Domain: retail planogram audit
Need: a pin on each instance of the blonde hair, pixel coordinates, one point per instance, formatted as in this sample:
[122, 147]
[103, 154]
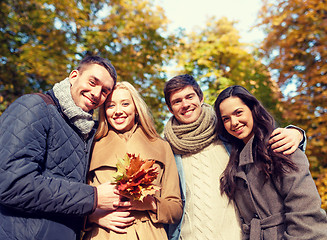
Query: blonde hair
[144, 117]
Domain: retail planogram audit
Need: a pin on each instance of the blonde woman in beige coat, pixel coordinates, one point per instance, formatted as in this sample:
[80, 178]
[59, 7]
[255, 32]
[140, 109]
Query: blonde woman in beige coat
[126, 126]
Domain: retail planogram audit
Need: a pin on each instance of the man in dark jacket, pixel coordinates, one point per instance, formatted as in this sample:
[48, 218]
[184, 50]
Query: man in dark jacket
[45, 142]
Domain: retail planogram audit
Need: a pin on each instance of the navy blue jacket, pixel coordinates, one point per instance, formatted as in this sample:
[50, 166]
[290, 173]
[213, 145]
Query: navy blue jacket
[43, 166]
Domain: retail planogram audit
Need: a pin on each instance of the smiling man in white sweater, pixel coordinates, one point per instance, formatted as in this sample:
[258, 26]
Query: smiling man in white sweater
[201, 157]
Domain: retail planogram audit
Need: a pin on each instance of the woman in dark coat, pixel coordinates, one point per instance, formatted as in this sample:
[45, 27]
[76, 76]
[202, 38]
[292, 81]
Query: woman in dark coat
[275, 194]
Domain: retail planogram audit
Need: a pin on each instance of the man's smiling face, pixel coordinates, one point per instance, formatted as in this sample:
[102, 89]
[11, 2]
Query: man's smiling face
[90, 86]
[186, 105]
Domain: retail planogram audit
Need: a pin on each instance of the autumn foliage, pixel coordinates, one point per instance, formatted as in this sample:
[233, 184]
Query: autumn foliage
[135, 176]
[217, 59]
[42, 41]
[296, 49]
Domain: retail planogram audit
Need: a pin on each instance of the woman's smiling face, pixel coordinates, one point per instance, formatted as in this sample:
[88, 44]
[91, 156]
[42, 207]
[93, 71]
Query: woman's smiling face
[237, 118]
[120, 110]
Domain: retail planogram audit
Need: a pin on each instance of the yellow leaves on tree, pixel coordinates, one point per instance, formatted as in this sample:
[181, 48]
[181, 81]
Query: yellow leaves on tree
[134, 177]
[321, 183]
[42, 41]
[217, 59]
[296, 46]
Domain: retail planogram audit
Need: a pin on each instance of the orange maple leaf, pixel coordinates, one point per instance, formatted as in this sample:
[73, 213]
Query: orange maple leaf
[135, 176]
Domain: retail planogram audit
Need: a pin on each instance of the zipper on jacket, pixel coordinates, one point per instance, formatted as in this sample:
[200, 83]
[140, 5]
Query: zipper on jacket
[86, 162]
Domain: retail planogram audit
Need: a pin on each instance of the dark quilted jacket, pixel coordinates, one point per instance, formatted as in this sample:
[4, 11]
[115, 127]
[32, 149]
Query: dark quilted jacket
[43, 166]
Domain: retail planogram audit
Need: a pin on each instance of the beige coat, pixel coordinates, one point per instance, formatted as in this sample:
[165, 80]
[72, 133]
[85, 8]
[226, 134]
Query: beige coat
[148, 225]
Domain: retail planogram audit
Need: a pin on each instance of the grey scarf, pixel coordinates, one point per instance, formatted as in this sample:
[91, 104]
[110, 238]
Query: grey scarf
[82, 120]
[192, 137]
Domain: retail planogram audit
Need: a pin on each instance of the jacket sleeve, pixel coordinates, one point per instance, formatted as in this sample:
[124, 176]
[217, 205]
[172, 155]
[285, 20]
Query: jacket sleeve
[174, 230]
[23, 138]
[304, 218]
[169, 203]
[303, 143]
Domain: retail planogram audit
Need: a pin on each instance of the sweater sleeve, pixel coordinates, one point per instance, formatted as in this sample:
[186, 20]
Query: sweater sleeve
[303, 143]
[169, 203]
[23, 139]
[304, 218]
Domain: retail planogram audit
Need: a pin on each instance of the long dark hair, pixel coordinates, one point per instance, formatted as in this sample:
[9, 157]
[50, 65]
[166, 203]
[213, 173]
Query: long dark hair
[270, 163]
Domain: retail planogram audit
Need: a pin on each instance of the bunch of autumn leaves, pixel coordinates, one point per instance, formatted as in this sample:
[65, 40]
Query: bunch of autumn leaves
[134, 177]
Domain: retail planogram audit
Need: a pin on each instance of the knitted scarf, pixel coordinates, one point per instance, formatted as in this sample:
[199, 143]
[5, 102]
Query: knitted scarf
[82, 120]
[192, 137]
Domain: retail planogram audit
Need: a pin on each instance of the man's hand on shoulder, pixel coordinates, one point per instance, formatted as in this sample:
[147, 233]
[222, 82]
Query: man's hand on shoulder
[285, 140]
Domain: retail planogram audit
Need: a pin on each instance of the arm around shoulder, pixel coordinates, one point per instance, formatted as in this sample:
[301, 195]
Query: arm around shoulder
[287, 140]
[303, 143]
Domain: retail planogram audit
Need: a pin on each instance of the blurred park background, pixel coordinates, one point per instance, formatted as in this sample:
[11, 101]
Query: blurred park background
[41, 41]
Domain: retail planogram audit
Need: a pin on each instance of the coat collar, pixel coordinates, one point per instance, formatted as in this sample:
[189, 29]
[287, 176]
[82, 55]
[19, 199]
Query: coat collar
[245, 159]
[246, 156]
[112, 147]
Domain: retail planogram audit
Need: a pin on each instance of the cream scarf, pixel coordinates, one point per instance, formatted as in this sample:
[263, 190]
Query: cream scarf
[192, 137]
[82, 120]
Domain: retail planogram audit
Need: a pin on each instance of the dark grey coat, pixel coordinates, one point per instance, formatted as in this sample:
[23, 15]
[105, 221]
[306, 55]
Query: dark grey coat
[43, 166]
[285, 209]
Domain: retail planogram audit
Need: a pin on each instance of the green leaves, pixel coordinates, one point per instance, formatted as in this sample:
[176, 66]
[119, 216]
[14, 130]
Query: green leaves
[217, 59]
[42, 41]
[295, 47]
[122, 165]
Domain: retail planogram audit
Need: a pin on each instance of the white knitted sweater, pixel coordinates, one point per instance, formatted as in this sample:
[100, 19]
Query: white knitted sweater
[208, 214]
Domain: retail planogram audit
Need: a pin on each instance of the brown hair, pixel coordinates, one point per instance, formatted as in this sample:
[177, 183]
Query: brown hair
[100, 61]
[178, 83]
